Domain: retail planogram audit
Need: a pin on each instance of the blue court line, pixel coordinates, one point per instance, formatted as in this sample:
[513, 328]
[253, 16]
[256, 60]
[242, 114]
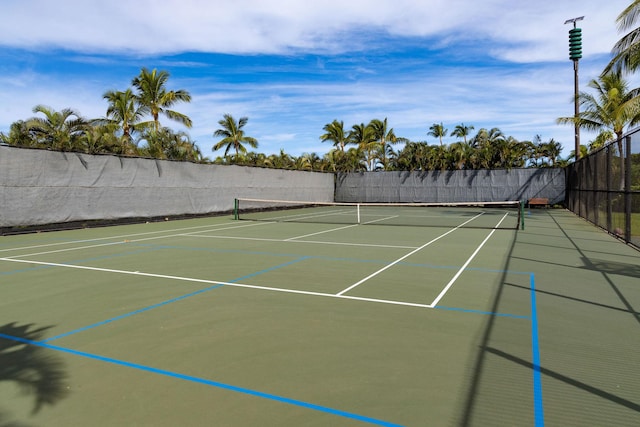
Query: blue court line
[152, 247]
[538, 407]
[24, 270]
[535, 349]
[160, 304]
[266, 270]
[211, 383]
[123, 316]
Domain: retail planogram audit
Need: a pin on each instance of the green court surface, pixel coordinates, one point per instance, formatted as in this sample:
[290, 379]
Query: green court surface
[219, 322]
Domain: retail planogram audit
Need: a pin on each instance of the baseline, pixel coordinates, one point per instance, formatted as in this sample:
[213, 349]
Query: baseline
[216, 282]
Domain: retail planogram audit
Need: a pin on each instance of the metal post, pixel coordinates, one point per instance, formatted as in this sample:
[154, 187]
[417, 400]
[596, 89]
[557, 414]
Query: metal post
[575, 53]
[576, 108]
[627, 190]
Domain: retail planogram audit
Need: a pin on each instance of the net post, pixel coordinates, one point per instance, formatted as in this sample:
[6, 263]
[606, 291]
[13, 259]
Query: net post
[358, 212]
[235, 209]
[521, 209]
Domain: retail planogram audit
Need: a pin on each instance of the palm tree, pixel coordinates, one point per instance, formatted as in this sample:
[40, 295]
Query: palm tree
[627, 50]
[535, 151]
[19, 135]
[279, 161]
[256, 159]
[181, 147]
[383, 136]
[102, 139]
[154, 98]
[352, 160]
[462, 131]
[487, 137]
[613, 108]
[233, 135]
[462, 155]
[514, 154]
[124, 111]
[488, 144]
[364, 137]
[307, 161]
[584, 151]
[331, 160]
[602, 139]
[409, 157]
[552, 150]
[58, 130]
[437, 130]
[355, 160]
[335, 133]
[439, 158]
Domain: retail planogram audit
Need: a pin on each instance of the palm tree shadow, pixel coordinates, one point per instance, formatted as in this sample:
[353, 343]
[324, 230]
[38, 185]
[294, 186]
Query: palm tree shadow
[38, 373]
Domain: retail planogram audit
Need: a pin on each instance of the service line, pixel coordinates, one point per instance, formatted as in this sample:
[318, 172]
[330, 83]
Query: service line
[404, 257]
[464, 266]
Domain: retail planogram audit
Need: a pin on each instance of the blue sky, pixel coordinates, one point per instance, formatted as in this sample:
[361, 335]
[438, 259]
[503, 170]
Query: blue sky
[292, 66]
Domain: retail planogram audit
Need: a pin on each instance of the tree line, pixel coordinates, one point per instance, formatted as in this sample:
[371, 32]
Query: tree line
[131, 127]
[370, 147]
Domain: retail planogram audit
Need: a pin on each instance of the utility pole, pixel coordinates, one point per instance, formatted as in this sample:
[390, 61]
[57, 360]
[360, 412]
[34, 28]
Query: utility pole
[575, 53]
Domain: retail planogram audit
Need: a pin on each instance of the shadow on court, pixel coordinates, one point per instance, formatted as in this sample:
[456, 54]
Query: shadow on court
[35, 371]
[472, 405]
[586, 315]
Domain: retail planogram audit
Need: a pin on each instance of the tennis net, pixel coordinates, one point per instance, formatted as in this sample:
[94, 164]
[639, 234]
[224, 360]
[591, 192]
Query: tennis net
[491, 215]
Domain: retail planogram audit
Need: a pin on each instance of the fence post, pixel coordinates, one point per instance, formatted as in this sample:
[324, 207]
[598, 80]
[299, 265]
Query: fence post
[609, 188]
[627, 190]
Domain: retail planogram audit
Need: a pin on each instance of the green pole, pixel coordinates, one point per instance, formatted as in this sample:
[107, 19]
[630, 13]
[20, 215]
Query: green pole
[522, 215]
[575, 53]
[235, 209]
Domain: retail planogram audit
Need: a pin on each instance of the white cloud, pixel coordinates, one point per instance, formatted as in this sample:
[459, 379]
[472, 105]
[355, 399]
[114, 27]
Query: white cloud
[291, 114]
[527, 31]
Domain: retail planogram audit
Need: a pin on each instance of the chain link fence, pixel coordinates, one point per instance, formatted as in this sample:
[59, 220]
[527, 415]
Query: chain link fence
[604, 188]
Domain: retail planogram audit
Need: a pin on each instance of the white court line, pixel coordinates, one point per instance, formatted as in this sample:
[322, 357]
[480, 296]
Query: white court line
[320, 232]
[381, 219]
[338, 295]
[315, 242]
[473, 255]
[215, 282]
[110, 237]
[339, 228]
[134, 240]
[406, 256]
[301, 216]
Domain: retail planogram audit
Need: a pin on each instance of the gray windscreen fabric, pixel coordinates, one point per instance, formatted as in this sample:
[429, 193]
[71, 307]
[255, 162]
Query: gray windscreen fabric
[44, 187]
[451, 186]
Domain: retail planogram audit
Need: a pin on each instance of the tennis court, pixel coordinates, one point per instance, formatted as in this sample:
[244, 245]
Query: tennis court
[224, 322]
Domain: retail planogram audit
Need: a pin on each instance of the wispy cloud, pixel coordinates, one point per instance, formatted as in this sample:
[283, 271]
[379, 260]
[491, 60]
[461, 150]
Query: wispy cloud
[292, 66]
